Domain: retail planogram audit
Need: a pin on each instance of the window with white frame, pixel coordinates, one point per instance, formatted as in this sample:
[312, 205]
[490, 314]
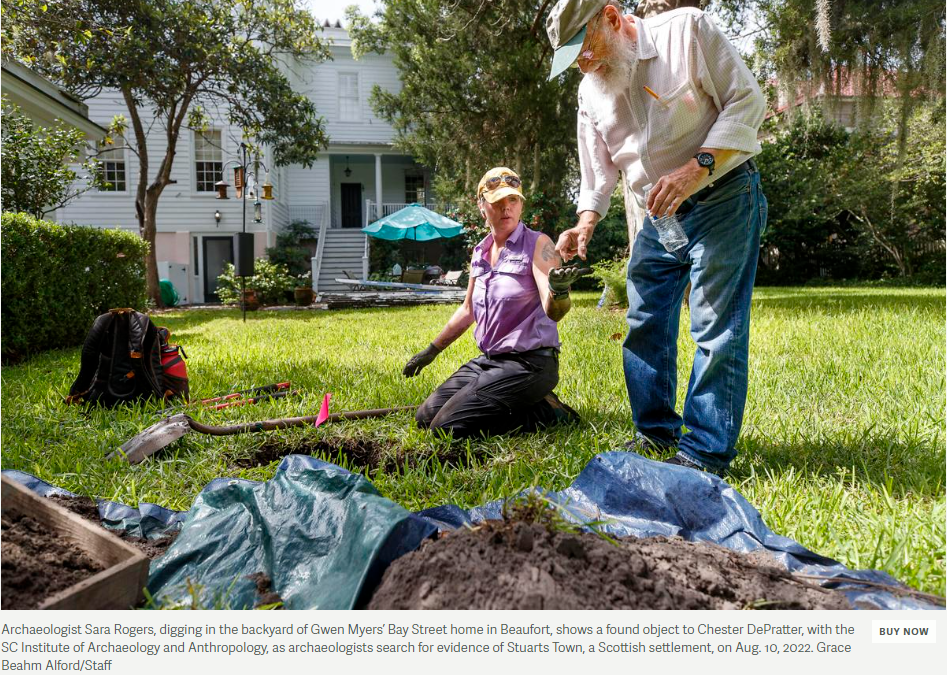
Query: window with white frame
[414, 188]
[349, 107]
[112, 165]
[208, 159]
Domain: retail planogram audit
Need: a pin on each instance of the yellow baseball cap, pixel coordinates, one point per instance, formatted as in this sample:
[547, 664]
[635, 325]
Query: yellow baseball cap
[498, 183]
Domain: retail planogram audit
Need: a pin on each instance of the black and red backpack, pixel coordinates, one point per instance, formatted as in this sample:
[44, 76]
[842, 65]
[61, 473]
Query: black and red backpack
[123, 359]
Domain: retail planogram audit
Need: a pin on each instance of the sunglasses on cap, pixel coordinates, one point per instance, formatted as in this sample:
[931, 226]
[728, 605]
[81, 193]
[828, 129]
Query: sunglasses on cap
[492, 184]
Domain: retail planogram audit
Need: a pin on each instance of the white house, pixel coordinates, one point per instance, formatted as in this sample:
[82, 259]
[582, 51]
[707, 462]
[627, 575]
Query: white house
[338, 195]
[44, 102]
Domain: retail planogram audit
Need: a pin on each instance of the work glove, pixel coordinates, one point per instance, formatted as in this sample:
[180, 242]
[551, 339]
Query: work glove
[420, 360]
[562, 278]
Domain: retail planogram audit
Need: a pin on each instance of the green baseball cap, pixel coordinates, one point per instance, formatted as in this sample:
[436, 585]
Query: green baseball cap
[566, 28]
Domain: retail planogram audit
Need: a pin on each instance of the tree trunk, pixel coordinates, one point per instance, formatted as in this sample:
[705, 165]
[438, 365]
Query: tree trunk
[890, 247]
[149, 231]
[536, 157]
[143, 205]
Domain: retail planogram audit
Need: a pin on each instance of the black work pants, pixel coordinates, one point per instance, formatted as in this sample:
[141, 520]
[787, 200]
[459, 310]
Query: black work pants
[495, 395]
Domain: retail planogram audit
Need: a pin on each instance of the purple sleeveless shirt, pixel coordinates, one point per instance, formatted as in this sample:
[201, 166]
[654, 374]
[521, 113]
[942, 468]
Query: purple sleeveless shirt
[506, 303]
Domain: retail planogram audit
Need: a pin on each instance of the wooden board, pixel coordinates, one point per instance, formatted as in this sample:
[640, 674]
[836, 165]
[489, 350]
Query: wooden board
[367, 299]
[118, 586]
[398, 285]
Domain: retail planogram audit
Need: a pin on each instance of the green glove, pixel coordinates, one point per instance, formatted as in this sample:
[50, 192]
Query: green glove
[562, 278]
[420, 360]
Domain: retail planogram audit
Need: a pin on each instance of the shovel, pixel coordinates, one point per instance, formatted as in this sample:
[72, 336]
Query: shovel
[170, 429]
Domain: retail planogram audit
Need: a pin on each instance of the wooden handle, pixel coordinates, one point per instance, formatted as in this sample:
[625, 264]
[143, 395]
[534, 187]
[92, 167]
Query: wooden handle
[270, 425]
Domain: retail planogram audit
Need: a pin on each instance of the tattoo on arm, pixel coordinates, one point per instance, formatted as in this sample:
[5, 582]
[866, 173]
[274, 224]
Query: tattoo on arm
[549, 253]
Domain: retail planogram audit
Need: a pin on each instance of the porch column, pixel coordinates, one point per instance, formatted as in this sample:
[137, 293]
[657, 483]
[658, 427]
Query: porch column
[378, 211]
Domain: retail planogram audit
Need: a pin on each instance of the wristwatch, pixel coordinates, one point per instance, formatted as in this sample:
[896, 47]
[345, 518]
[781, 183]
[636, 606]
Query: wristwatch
[706, 160]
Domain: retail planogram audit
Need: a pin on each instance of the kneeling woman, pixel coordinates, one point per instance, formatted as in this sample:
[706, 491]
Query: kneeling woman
[517, 293]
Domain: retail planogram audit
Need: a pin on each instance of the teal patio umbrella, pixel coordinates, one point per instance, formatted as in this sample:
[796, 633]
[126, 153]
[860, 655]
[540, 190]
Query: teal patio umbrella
[415, 223]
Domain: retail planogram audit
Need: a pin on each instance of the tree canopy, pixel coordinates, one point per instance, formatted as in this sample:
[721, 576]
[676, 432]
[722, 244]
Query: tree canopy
[867, 48]
[175, 62]
[37, 177]
[474, 89]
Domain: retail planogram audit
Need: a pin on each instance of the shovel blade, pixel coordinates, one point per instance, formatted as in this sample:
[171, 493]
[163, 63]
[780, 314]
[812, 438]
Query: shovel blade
[154, 438]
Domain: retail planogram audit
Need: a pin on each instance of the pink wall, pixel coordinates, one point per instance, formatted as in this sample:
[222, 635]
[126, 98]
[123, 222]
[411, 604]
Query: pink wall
[261, 242]
[174, 247]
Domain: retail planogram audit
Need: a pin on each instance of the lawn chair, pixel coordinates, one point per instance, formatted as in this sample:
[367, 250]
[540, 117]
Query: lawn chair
[349, 275]
[451, 278]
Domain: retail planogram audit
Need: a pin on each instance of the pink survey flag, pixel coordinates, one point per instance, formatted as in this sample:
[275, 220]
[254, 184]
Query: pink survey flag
[324, 410]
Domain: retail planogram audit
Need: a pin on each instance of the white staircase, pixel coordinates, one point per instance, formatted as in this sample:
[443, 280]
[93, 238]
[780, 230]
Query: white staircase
[342, 250]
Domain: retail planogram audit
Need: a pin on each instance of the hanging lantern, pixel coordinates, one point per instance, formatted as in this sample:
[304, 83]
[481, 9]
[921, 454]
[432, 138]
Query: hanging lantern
[267, 187]
[257, 211]
[221, 187]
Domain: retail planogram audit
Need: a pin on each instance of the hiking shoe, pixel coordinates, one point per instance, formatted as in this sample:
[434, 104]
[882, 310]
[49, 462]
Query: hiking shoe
[680, 459]
[564, 414]
[643, 445]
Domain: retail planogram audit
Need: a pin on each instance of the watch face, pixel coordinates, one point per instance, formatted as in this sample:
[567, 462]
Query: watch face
[705, 159]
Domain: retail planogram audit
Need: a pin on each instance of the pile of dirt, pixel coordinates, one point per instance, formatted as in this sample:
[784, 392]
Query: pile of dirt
[529, 565]
[264, 591]
[85, 507]
[365, 454]
[37, 564]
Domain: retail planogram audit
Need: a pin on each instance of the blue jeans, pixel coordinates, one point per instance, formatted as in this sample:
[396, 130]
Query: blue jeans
[723, 225]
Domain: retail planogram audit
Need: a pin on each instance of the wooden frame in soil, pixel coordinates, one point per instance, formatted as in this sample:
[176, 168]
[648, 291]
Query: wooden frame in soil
[119, 586]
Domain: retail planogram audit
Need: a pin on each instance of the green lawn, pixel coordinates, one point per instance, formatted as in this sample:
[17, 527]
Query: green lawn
[843, 444]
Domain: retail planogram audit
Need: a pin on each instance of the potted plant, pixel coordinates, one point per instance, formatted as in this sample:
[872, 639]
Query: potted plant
[251, 302]
[303, 292]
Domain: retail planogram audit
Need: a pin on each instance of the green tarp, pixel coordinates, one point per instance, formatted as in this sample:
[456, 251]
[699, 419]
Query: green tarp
[321, 535]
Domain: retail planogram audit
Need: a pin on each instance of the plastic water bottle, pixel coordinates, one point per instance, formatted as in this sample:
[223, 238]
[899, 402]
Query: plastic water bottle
[670, 233]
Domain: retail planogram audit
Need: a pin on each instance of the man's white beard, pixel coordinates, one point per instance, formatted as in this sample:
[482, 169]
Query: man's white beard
[621, 66]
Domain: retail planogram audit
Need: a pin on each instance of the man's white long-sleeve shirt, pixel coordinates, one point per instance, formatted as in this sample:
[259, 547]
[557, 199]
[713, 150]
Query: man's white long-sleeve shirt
[707, 98]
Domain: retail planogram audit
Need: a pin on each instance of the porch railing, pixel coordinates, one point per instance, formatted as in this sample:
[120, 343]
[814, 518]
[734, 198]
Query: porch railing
[387, 208]
[317, 215]
[314, 214]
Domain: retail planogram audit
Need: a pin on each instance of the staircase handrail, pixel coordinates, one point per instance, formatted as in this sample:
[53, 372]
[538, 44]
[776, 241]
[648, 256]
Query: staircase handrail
[320, 247]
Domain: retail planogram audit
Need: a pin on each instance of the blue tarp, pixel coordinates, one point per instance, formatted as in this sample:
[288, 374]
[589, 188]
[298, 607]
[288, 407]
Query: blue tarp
[324, 535]
[149, 521]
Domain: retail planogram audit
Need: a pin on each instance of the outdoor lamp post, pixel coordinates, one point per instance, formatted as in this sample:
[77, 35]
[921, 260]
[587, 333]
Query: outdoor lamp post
[243, 173]
[243, 249]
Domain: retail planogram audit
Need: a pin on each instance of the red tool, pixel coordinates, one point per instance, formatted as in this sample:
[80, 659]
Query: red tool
[255, 399]
[266, 389]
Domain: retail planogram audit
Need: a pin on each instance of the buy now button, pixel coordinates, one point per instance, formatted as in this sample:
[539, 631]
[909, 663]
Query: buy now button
[907, 631]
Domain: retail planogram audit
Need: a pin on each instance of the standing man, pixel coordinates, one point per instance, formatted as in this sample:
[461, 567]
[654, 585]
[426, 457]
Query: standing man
[669, 102]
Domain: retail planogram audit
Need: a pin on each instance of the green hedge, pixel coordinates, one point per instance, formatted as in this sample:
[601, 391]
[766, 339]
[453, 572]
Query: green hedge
[57, 278]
